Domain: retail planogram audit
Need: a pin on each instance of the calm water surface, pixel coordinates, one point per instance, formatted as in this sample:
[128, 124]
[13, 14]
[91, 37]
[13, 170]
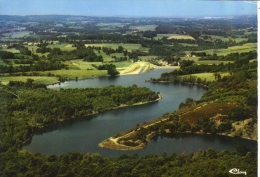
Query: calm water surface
[84, 134]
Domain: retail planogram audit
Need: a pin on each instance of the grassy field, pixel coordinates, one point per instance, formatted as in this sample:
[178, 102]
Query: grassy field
[179, 36]
[226, 39]
[173, 36]
[248, 33]
[10, 50]
[81, 74]
[211, 62]
[122, 64]
[34, 48]
[118, 55]
[190, 45]
[61, 46]
[253, 60]
[243, 48]
[37, 79]
[239, 39]
[146, 58]
[129, 47]
[81, 65]
[106, 57]
[144, 27]
[207, 62]
[2, 63]
[19, 34]
[208, 76]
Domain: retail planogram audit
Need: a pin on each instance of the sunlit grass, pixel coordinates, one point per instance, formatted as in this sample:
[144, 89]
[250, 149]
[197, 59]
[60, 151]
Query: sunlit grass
[126, 46]
[207, 76]
[173, 36]
[37, 79]
[239, 48]
[146, 58]
[80, 74]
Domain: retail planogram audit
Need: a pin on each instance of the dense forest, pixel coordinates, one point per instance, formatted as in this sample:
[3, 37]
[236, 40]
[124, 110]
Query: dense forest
[25, 108]
[207, 163]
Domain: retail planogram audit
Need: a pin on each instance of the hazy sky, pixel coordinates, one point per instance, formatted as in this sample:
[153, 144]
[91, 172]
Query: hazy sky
[154, 8]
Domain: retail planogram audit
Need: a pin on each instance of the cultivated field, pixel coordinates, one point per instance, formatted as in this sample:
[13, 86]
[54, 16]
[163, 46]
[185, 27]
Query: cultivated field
[146, 58]
[179, 36]
[118, 55]
[226, 39]
[239, 48]
[19, 34]
[128, 47]
[206, 62]
[80, 64]
[106, 58]
[122, 64]
[174, 36]
[63, 46]
[144, 27]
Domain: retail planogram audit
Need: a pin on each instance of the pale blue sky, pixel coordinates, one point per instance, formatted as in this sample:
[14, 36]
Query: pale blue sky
[149, 8]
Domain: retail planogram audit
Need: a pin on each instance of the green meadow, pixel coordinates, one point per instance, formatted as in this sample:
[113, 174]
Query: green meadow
[206, 62]
[190, 45]
[238, 39]
[37, 79]
[173, 36]
[2, 62]
[207, 76]
[80, 74]
[146, 58]
[239, 48]
[80, 64]
[122, 64]
[10, 50]
[63, 46]
[128, 47]
[144, 27]
[106, 58]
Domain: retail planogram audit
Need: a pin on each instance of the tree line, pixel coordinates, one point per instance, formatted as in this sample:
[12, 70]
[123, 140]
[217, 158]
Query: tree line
[207, 162]
[42, 65]
[111, 69]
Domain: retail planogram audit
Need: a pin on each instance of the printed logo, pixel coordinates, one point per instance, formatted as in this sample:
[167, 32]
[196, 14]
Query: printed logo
[237, 171]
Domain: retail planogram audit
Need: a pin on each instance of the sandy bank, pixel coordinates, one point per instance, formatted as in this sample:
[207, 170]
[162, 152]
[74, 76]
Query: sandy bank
[139, 67]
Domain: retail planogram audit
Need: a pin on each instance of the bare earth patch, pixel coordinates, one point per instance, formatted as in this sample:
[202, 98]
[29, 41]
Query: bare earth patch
[138, 67]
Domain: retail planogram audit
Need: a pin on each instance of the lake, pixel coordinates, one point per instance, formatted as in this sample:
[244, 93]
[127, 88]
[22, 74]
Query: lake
[83, 134]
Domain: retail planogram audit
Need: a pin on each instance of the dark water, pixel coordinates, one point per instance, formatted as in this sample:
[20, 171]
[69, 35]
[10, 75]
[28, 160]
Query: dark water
[84, 134]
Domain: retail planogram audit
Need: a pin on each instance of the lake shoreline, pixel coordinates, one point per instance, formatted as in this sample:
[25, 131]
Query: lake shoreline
[160, 96]
[128, 140]
[136, 71]
[112, 143]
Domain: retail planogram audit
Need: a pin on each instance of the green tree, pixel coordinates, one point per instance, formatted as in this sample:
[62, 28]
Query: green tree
[111, 70]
